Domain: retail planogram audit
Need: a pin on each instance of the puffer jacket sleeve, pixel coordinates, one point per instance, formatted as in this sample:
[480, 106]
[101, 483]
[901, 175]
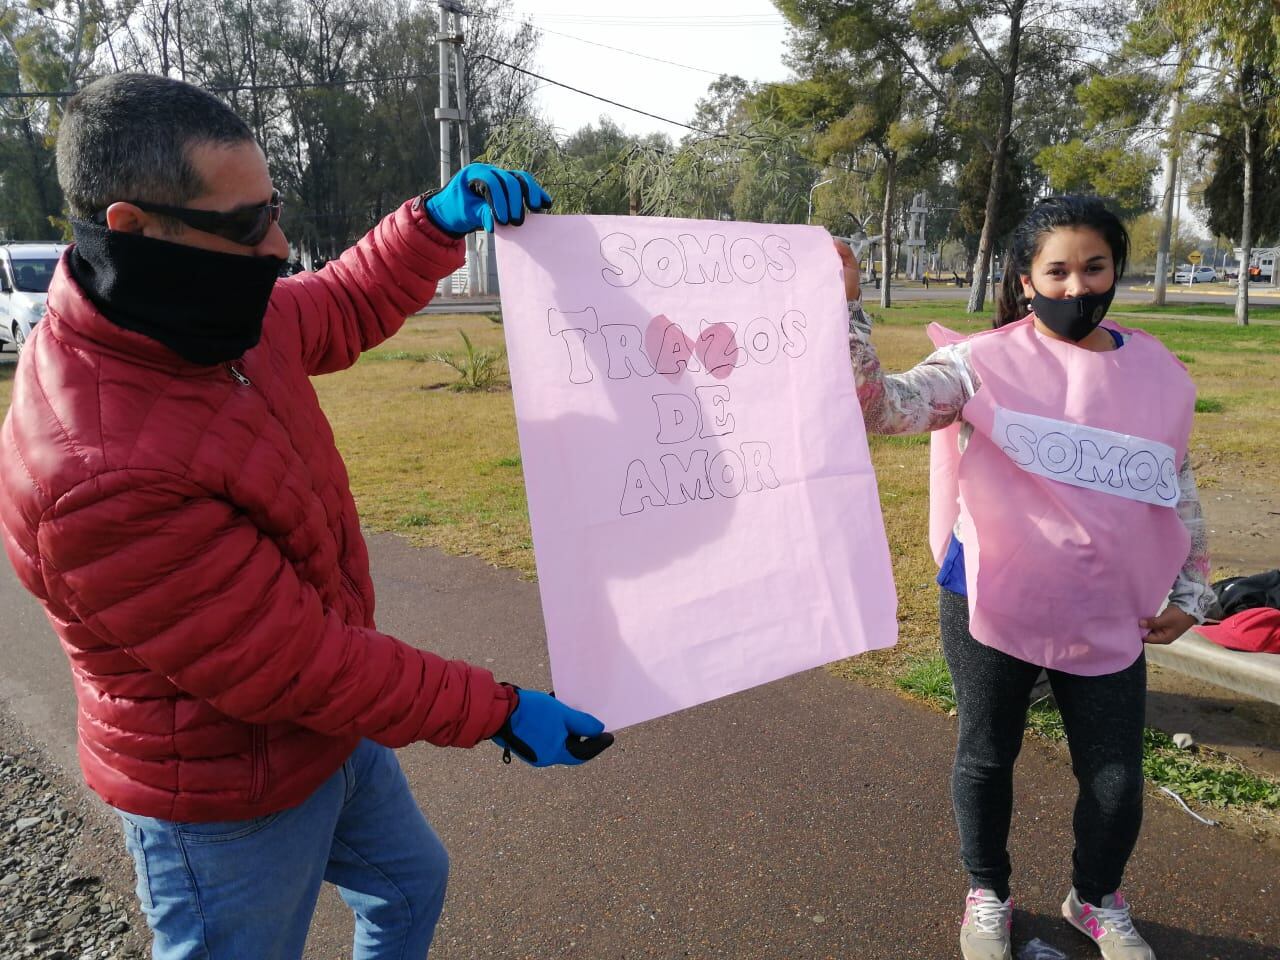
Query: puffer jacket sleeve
[193, 591]
[362, 298]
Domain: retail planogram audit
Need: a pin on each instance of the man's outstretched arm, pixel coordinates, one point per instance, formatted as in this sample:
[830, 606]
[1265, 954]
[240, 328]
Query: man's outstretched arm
[199, 595]
[362, 298]
[359, 300]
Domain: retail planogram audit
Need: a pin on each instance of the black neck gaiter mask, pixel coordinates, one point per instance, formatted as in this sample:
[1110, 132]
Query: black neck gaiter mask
[1076, 317]
[206, 307]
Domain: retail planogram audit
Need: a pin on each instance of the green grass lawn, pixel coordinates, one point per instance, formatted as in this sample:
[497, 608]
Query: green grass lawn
[1225, 309]
[439, 466]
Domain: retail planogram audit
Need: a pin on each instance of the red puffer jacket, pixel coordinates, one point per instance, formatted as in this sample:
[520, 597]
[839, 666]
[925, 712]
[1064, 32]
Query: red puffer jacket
[191, 534]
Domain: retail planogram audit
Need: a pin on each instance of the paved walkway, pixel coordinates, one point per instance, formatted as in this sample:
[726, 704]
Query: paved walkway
[805, 819]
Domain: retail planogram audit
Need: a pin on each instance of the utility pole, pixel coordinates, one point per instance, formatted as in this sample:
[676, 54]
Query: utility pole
[1168, 236]
[450, 47]
[464, 155]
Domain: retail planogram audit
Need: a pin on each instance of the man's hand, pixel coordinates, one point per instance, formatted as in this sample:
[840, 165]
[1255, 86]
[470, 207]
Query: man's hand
[543, 732]
[852, 276]
[480, 196]
[1168, 626]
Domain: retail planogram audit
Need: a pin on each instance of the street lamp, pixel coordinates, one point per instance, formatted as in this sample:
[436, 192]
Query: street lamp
[809, 216]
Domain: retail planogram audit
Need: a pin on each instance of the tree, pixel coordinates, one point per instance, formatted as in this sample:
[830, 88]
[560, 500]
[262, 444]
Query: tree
[993, 71]
[1004, 69]
[725, 107]
[1121, 174]
[339, 93]
[1223, 197]
[772, 177]
[40, 50]
[972, 189]
[529, 143]
[1116, 115]
[1240, 64]
[1144, 242]
[1131, 110]
[599, 152]
[860, 90]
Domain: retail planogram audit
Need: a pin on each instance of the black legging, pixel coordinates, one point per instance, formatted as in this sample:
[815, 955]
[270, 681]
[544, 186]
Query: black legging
[1103, 717]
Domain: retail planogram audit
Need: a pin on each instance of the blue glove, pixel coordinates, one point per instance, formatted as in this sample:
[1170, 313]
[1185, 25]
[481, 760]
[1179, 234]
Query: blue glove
[542, 731]
[480, 196]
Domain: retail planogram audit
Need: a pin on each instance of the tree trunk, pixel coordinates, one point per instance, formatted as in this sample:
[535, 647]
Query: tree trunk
[48, 208]
[258, 121]
[1246, 229]
[999, 160]
[1166, 210]
[73, 64]
[886, 224]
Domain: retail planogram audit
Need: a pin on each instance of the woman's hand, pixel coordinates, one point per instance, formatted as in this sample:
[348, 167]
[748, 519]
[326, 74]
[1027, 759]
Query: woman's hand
[1168, 626]
[852, 277]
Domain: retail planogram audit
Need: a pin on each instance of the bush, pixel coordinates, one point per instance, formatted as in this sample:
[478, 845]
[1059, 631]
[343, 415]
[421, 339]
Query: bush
[477, 369]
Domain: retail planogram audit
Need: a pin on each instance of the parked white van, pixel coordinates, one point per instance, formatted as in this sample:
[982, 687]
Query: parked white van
[25, 272]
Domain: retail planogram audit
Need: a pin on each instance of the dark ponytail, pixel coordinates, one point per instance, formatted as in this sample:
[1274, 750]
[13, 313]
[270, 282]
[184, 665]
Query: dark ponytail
[1047, 215]
[1011, 304]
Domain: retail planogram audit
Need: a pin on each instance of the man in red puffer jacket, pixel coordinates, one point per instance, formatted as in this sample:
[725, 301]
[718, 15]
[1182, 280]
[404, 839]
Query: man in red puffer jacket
[171, 492]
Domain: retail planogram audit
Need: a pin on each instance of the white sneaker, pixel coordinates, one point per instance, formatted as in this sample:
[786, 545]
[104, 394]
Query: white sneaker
[1109, 926]
[985, 933]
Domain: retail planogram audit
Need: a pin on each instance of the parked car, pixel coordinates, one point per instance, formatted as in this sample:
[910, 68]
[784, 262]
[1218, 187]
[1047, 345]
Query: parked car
[1198, 274]
[25, 272]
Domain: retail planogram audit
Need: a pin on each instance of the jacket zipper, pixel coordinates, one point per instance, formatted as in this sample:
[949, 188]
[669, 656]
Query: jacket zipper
[258, 786]
[237, 376]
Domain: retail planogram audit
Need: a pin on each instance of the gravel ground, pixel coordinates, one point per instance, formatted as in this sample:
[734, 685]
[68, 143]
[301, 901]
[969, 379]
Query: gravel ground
[64, 873]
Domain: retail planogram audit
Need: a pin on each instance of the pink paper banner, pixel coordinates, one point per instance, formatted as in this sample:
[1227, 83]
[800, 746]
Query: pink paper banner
[705, 516]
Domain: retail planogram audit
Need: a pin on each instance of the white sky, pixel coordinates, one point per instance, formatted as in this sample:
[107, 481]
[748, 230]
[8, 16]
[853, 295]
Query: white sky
[743, 37]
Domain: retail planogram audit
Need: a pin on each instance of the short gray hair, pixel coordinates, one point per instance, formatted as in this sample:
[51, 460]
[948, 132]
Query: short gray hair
[127, 137]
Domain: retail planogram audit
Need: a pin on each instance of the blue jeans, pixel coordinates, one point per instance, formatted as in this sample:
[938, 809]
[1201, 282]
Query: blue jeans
[248, 888]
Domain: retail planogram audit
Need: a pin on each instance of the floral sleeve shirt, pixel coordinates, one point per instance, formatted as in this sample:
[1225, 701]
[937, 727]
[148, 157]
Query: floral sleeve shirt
[932, 394]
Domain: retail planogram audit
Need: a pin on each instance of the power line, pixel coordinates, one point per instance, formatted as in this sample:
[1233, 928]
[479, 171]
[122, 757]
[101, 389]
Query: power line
[62, 94]
[720, 21]
[594, 43]
[593, 96]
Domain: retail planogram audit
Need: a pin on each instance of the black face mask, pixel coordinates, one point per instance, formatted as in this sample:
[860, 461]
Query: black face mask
[205, 306]
[1076, 317]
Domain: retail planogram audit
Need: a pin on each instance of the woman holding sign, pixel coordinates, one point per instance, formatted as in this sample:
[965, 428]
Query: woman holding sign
[1063, 513]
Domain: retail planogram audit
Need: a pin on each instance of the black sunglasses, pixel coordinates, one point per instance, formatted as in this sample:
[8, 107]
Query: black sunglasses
[245, 225]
